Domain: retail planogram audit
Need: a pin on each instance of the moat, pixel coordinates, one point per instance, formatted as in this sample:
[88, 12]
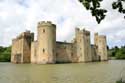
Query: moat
[97, 72]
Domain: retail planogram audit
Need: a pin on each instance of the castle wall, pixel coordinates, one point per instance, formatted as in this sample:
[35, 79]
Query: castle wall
[27, 49]
[75, 57]
[63, 52]
[46, 42]
[17, 51]
[94, 55]
[34, 52]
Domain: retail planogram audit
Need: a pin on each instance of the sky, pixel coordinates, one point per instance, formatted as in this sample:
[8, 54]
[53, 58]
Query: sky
[17, 16]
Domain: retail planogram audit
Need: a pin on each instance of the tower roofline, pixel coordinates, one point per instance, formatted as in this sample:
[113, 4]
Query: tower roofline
[96, 33]
[102, 36]
[27, 33]
[82, 31]
[46, 23]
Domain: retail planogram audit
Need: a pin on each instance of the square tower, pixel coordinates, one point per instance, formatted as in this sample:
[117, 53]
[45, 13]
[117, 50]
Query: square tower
[101, 44]
[21, 48]
[83, 47]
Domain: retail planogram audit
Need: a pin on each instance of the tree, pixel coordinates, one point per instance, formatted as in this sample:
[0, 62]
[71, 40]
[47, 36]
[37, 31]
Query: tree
[119, 5]
[95, 7]
[119, 53]
[5, 54]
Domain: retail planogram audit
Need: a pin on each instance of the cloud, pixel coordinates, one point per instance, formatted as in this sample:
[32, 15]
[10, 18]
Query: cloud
[17, 16]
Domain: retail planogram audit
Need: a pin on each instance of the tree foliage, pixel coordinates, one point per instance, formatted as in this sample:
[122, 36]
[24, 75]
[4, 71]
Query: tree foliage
[99, 13]
[120, 81]
[119, 5]
[5, 54]
[119, 53]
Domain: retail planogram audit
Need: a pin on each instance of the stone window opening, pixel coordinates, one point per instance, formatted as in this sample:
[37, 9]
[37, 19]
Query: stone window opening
[43, 30]
[71, 54]
[43, 50]
[56, 54]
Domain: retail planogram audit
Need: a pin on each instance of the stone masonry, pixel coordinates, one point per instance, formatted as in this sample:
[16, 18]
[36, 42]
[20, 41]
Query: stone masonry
[46, 49]
[21, 48]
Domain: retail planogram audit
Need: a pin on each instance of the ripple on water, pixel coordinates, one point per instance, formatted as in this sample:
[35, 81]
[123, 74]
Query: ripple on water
[96, 72]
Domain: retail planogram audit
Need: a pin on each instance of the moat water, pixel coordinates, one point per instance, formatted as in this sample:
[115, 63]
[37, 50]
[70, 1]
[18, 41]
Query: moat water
[97, 72]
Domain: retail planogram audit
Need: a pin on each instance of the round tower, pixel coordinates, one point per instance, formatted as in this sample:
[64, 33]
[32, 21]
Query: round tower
[46, 42]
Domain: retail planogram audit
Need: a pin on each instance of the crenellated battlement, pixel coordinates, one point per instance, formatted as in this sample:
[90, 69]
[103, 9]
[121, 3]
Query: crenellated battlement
[24, 34]
[96, 34]
[77, 29]
[99, 36]
[86, 32]
[82, 31]
[45, 23]
[102, 36]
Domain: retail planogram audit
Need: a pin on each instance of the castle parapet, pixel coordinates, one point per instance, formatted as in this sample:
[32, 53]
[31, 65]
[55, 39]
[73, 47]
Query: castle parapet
[102, 36]
[86, 32]
[83, 31]
[45, 23]
[24, 34]
[96, 34]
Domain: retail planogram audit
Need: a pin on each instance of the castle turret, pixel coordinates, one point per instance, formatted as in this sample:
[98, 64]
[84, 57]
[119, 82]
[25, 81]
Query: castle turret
[83, 47]
[46, 42]
[101, 44]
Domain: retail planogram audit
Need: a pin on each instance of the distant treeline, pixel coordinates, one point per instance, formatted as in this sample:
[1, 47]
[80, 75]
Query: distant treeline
[5, 54]
[118, 53]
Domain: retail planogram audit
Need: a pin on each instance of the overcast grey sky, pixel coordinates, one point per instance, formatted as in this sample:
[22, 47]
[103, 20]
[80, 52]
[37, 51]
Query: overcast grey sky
[17, 16]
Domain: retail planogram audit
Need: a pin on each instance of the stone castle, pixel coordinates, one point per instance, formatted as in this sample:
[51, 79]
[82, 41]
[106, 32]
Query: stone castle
[47, 50]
